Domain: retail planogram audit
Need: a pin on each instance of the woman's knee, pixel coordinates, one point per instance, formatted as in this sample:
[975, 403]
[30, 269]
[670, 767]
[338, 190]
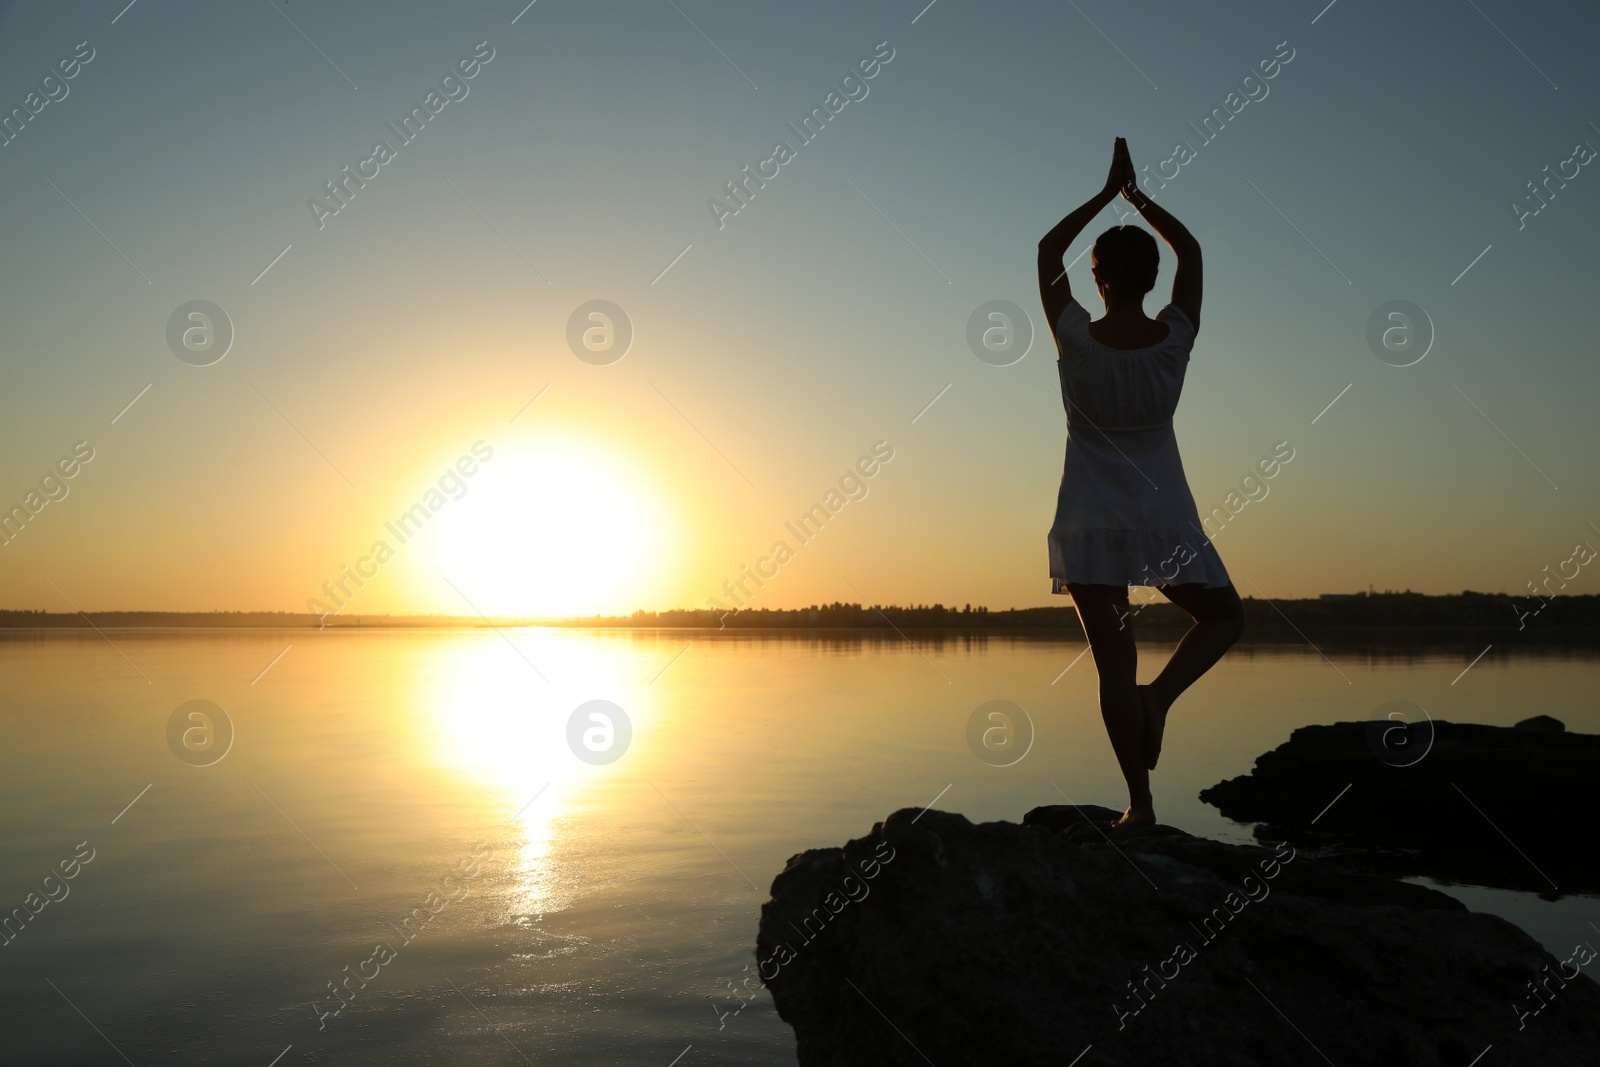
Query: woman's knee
[1230, 614]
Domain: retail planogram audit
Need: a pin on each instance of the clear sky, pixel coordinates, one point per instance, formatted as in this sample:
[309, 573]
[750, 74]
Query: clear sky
[781, 343]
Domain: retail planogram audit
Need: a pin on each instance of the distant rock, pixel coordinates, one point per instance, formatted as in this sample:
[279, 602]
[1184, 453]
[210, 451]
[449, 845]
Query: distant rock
[1541, 724]
[1487, 805]
[936, 941]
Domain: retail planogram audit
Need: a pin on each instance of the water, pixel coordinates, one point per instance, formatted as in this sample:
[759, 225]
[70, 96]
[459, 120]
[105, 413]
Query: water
[612, 905]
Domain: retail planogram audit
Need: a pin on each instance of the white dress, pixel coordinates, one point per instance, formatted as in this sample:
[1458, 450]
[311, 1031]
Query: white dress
[1125, 515]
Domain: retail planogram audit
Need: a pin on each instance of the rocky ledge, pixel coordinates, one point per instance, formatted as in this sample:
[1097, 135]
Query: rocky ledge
[936, 941]
[1499, 806]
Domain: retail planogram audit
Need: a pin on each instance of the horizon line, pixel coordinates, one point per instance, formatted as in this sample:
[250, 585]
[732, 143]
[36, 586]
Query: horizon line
[962, 609]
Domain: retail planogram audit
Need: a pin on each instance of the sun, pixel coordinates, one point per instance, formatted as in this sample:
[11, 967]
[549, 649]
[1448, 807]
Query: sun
[553, 526]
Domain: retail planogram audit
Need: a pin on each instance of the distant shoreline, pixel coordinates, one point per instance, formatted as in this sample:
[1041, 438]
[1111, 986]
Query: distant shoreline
[1399, 616]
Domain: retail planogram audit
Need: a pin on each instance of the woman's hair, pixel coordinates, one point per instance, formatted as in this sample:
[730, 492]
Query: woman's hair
[1128, 260]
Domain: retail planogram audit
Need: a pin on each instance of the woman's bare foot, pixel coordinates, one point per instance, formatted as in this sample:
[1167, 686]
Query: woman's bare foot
[1155, 725]
[1140, 815]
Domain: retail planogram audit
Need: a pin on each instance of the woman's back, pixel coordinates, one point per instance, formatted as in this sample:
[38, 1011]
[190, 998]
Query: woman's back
[1105, 388]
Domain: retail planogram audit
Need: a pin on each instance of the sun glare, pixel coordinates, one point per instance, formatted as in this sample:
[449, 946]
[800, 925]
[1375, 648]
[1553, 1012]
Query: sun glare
[498, 718]
[552, 527]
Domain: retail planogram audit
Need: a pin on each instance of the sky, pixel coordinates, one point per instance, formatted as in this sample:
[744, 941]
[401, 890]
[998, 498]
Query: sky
[422, 350]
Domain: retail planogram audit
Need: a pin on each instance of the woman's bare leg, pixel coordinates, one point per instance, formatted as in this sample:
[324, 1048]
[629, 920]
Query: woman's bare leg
[1218, 621]
[1103, 609]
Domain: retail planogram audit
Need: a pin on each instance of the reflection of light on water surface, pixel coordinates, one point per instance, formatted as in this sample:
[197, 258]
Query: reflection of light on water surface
[493, 722]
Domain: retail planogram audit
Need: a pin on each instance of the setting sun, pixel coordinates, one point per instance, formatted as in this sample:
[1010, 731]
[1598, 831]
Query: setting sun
[553, 526]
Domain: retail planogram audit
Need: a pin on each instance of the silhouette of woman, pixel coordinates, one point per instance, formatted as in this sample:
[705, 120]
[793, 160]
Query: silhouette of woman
[1125, 515]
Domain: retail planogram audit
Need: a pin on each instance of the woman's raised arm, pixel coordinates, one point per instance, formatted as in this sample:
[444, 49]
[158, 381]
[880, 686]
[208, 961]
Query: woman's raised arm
[1188, 279]
[1054, 289]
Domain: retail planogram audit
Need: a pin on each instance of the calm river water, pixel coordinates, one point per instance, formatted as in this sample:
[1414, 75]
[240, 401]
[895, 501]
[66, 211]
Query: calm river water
[244, 866]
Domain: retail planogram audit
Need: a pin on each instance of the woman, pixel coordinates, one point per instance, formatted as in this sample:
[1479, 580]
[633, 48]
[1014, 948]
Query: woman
[1125, 515]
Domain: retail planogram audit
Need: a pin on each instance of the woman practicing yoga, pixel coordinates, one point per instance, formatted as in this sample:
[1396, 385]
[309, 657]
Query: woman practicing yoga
[1124, 515]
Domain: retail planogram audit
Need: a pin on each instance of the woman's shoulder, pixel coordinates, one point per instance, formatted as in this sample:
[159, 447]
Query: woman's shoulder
[1172, 315]
[1073, 315]
[1071, 327]
[1180, 330]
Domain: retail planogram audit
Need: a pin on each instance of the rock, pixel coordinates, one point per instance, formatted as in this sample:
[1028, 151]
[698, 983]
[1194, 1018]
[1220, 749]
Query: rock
[1457, 802]
[1541, 724]
[933, 940]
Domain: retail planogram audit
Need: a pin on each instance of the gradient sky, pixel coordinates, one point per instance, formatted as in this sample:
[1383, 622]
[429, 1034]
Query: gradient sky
[822, 319]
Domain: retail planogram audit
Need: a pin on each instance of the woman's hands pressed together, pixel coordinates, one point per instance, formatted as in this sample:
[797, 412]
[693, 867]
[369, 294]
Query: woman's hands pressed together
[1122, 177]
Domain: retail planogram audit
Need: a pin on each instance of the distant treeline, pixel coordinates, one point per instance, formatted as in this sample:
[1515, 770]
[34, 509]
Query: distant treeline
[233, 619]
[1147, 611]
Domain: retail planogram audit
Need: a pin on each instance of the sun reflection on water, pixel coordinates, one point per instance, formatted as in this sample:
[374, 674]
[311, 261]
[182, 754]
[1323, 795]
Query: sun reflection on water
[492, 721]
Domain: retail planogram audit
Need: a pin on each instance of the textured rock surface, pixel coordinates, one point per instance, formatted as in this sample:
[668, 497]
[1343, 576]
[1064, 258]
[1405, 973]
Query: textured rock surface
[1488, 805]
[933, 940]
